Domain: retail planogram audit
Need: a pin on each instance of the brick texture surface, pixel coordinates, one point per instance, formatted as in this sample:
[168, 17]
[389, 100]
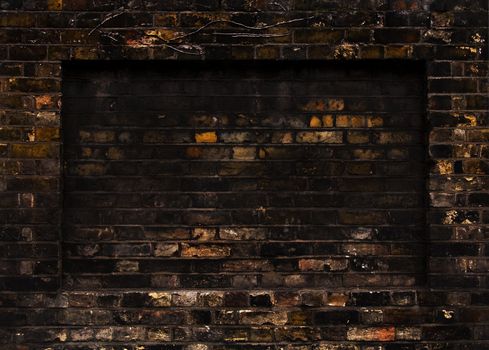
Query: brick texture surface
[247, 176]
[250, 202]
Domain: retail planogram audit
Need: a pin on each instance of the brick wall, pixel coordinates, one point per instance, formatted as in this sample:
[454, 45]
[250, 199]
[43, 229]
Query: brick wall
[298, 214]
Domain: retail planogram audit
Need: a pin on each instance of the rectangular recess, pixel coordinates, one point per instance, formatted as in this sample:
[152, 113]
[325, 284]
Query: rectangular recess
[243, 175]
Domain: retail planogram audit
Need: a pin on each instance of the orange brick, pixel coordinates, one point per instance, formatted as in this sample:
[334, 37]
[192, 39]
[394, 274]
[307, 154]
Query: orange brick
[311, 265]
[315, 122]
[206, 137]
[193, 152]
[336, 104]
[44, 101]
[327, 120]
[315, 105]
[374, 122]
[371, 334]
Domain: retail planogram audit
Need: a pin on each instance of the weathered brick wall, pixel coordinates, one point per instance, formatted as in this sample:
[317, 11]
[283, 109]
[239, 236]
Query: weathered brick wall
[279, 175]
[195, 286]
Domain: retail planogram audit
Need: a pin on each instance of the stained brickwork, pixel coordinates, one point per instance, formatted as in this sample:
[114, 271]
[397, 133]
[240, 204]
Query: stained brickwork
[243, 177]
[193, 286]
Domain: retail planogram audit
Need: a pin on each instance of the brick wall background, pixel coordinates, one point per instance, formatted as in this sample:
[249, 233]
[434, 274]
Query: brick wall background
[239, 308]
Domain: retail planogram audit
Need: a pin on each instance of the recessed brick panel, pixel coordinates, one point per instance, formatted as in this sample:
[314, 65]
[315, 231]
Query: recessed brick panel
[245, 176]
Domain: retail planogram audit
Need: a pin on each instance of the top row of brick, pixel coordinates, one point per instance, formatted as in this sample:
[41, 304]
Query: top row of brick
[244, 5]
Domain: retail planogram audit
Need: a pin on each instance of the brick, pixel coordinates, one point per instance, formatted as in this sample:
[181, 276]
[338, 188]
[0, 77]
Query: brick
[398, 52]
[268, 52]
[28, 53]
[337, 299]
[352, 121]
[319, 137]
[45, 101]
[315, 122]
[381, 334]
[261, 318]
[44, 134]
[445, 332]
[318, 36]
[242, 233]
[372, 52]
[261, 300]
[405, 5]
[203, 234]
[311, 265]
[166, 249]
[17, 20]
[391, 35]
[337, 317]
[336, 264]
[244, 153]
[34, 151]
[206, 137]
[205, 251]
[159, 334]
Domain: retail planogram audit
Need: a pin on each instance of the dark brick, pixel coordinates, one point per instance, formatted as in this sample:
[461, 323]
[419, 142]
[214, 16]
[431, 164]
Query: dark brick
[370, 298]
[261, 300]
[28, 53]
[479, 199]
[446, 333]
[336, 317]
[386, 36]
[318, 36]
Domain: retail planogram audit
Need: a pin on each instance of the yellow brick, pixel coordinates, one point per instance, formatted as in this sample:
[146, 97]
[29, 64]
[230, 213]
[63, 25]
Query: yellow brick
[41, 150]
[471, 119]
[45, 134]
[203, 234]
[206, 137]
[163, 34]
[244, 153]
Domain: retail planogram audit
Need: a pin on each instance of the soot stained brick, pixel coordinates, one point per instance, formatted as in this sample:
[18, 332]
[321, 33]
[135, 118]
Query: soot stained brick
[184, 194]
[221, 205]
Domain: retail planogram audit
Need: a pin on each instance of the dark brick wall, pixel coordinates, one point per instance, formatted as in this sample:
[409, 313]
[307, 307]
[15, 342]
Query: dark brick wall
[192, 287]
[273, 175]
